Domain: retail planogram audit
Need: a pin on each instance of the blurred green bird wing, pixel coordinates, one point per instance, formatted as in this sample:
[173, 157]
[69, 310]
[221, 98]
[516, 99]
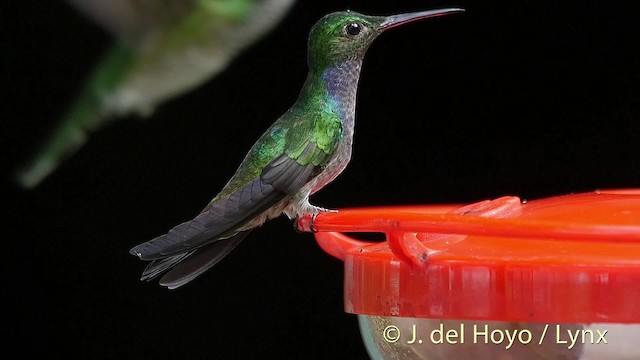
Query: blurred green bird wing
[136, 19]
[254, 188]
[131, 18]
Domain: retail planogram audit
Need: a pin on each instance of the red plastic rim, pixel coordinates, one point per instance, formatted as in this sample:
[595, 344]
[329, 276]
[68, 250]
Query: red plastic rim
[573, 258]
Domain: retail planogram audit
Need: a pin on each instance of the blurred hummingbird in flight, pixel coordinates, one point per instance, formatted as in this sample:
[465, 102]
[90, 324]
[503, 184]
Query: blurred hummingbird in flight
[304, 150]
[162, 49]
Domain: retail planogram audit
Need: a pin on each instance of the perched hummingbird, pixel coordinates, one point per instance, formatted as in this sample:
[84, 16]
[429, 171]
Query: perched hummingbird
[162, 49]
[304, 150]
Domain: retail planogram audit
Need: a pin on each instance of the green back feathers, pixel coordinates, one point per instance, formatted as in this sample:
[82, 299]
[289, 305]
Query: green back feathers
[313, 120]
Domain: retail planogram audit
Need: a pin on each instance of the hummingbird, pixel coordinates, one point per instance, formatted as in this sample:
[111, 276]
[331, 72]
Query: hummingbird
[162, 49]
[300, 153]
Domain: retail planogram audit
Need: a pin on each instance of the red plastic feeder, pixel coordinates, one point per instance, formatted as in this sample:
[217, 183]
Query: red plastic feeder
[562, 263]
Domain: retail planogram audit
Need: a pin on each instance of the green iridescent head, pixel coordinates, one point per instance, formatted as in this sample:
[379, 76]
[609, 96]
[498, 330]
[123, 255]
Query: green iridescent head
[346, 35]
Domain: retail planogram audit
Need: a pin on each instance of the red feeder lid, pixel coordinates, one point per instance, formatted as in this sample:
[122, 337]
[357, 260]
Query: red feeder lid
[573, 258]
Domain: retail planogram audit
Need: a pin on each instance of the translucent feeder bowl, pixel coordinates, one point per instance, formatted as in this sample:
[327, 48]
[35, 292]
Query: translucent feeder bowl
[556, 278]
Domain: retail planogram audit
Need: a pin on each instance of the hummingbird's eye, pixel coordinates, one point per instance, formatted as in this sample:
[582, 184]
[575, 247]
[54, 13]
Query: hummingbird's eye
[353, 29]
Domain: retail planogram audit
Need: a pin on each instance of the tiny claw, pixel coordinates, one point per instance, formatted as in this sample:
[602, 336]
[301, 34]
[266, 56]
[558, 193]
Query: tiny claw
[301, 223]
[305, 222]
[298, 226]
[313, 218]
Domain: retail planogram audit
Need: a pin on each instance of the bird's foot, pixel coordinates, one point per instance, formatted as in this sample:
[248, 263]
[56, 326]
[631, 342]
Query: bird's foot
[315, 210]
[307, 211]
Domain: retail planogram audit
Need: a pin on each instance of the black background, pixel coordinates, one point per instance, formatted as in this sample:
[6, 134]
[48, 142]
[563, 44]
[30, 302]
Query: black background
[512, 98]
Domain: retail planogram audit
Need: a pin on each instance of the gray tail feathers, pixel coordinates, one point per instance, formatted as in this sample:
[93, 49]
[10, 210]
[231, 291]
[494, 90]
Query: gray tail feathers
[184, 267]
